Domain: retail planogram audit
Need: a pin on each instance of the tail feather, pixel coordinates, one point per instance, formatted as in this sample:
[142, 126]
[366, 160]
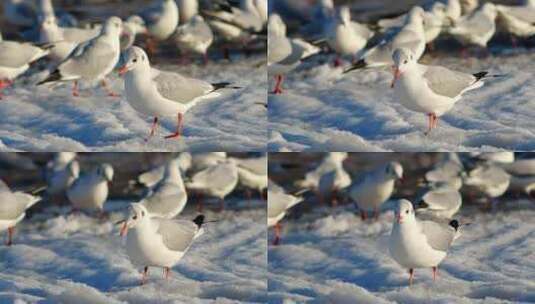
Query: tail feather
[359, 65]
[55, 76]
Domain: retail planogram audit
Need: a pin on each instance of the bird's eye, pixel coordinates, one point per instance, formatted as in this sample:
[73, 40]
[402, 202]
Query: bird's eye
[405, 62]
[407, 211]
[135, 60]
[134, 217]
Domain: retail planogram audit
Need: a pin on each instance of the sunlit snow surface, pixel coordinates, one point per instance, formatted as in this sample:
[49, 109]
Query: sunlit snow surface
[331, 256]
[45, 119]
[78, 259]
[321, 110]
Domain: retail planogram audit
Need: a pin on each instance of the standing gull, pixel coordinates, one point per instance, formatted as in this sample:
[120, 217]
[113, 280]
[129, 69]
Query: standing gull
[375, 188]
[131, 27]
[284, 54]
[92, 60]
[476, 28]
[278, 204]
[13, 206]
[420, 244]
[159, 93]
[432, 90]
[90, 191]
[195, 36]
[157, 242]
[410, 36]
[151, 178]
[161, 19]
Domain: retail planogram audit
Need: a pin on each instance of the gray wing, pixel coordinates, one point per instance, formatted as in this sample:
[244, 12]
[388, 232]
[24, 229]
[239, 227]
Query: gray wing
[10, 206]
[255, 165]
[442, 199]
[439, 235]
[181, 89]
[443, 81]
[14, 54]
[279, 48]
[165, 198]
[218, 176]
[277, 203]
[177, 235]
[91, 58]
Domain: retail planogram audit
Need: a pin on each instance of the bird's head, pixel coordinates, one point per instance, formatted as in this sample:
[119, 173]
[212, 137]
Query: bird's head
[132, 59]
[138, 213]
[404, 212]
[403, 60]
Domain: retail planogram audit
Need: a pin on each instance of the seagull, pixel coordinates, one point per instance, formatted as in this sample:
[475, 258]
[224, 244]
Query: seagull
[15, 59]
[195, 36]
[151, 178]
[284, 54]
[92, 60]
[168, 198]
[13, 206]
[218, 181]
[246, 17]
[410, 36]
[490, 179]
[253, 173]
[279, 203]
[187, 9]
[331, 161]
[439, 202]
[133, 26]
[159, 93]
[61, 172]
[420, 244]
[375, 188]
[447, 172]
[519, 21]
[346, 37]
[332, 182]
[432, 90]
[90, 190]
[158, 242]
[161, 18]
[476, 28]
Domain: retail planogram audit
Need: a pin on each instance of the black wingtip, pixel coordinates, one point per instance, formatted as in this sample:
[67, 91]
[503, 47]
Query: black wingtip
[199, 220]
[454, 224]
[224, 85]
[359, 65]
[55, 76]
[480, 75]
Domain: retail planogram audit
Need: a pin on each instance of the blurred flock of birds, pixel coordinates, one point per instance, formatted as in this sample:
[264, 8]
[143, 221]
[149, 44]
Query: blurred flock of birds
[74, 53]
[431, 193]
[154, 235]
[399, 42]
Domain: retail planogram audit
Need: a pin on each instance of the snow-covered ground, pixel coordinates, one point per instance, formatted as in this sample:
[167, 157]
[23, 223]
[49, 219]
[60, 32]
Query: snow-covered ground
[45, 119]
[78, 259]
[321, 110]
[331, 256]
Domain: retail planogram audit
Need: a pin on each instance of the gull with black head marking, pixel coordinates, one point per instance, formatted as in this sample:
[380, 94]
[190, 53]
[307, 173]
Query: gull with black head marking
[420, 244]
[428, 89]
[159, 93]
[158, 242]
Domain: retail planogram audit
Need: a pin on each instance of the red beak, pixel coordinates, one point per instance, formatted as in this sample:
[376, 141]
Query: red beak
[397, 73]
[124, 229]
[123, 70]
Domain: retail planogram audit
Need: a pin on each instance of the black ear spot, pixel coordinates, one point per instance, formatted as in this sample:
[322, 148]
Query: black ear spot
[454, 224]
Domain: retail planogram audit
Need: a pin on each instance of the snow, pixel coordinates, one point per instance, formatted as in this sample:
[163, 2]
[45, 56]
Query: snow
[51, 119]
[73, 258]
[323, 110]
[331, 256]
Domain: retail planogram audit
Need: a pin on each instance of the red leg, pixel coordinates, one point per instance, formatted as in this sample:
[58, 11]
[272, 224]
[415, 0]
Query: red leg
[411, 276]
[166, 272]
[278, 85]
[337, 62]
[199, 203]
[363, 215]
[435, 273]
[277, 239]
[144, 275]
[205, 59]
[153, 128]
[4, 84]
[178, 128]
[429, 123]
[106, 88]
[10, 231]
[75, 91]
